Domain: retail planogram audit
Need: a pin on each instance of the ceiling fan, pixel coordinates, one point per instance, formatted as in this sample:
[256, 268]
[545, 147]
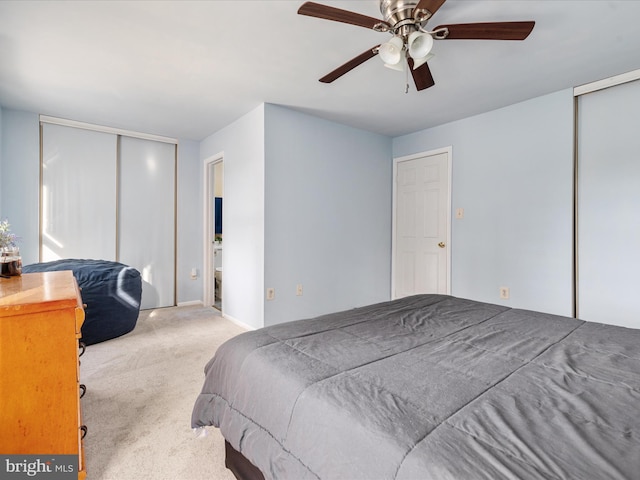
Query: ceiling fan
[411, 43]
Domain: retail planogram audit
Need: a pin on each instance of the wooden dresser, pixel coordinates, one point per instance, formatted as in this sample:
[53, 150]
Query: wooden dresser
[40, 319]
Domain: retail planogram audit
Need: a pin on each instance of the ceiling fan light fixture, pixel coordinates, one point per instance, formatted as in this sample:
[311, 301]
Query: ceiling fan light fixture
[420, 44]
[397, 66]
[391, 52]
[421, 61]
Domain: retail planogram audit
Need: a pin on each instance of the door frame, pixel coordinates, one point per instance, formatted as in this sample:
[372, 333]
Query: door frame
[208, 277]
[449, 151]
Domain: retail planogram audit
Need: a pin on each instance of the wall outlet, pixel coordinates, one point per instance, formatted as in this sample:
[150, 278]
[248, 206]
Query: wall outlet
[299, 290]
[459, 212]
[504, 293]
[271, 293]
[194, 273]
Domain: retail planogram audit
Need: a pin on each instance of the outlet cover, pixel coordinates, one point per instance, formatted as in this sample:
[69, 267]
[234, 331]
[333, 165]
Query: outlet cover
[299, 290]
[271, 293]
[504, 293]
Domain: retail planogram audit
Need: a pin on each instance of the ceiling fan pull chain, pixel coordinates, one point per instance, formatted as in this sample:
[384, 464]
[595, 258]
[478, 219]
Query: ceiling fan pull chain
[406, 73]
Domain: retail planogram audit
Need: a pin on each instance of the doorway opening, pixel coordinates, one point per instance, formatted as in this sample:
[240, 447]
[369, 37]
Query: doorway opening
[214, 234]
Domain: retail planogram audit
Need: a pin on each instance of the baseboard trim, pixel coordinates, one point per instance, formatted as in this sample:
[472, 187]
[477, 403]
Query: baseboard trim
[238, 322]
[191, 303]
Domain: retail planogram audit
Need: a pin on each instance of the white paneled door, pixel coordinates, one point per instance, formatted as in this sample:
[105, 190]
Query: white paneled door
[421, 221]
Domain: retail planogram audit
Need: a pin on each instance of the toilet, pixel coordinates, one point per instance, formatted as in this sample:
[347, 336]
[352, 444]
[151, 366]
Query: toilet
[217, 264]
[218, 275]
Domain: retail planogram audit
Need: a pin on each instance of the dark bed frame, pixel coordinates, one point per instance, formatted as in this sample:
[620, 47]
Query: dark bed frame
[242, 468]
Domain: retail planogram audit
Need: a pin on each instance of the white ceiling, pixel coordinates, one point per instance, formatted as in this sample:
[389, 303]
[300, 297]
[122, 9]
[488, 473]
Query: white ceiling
[187, 69]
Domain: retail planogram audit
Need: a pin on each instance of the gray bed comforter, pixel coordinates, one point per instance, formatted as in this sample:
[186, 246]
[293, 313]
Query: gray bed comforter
[430, 387]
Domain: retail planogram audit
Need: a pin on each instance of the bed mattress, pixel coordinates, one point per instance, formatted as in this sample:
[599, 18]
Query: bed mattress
[430, 387]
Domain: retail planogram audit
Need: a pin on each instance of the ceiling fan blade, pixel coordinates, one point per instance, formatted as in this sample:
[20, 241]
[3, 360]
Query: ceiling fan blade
[350, 65]
[317, 10]
[488, 31]
[421, 75]
[431, 6]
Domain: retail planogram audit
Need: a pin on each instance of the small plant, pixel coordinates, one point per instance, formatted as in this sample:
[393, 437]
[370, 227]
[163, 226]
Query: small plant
[7, 239]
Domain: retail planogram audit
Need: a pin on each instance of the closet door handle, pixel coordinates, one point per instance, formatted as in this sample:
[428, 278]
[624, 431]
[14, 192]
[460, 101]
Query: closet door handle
[83, 387]
[82, 348]
[441, 245]
[84, 431]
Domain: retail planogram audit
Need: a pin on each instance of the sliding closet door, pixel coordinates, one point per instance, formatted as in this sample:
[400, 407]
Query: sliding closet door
[608, 205]
[109, 196]
[78, 193]
[146, 223]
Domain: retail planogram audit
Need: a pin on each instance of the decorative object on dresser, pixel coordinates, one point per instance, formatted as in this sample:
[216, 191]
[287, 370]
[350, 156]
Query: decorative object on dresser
[111, 292]
[10, 260]
[40, 414]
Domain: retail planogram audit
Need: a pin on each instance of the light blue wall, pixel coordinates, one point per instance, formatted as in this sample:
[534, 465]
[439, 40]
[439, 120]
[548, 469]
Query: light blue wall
[189, 246]
[309, 201]
[20, 180]
[242, 144]
[513, 175]
[327, 215]
[20, 196]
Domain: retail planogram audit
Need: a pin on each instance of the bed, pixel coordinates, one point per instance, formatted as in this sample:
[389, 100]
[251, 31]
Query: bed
[428, 387]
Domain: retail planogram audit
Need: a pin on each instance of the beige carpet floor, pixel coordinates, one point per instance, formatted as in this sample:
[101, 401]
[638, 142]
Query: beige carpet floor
[140, 391]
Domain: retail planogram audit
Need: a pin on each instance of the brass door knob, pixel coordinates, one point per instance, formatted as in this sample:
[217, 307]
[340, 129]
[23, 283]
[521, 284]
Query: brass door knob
[441, 245]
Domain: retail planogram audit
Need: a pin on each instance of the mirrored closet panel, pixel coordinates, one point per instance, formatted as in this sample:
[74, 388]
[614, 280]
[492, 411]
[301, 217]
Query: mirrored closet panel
[110, 196]
[608, 186]
[146, 220]
[78, 194]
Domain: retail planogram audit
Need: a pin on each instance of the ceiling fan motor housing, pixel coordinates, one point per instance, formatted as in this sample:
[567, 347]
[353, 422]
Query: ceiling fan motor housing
[398, 12]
